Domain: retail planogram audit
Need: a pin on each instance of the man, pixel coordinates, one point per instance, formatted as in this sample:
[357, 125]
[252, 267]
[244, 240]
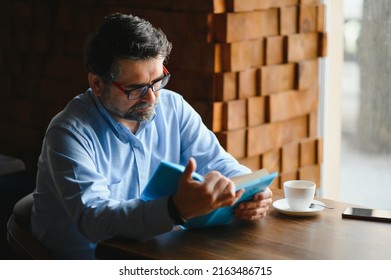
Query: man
[100, 151]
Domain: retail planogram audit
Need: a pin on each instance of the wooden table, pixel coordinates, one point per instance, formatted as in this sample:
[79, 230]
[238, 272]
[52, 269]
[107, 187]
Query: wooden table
[323, 236]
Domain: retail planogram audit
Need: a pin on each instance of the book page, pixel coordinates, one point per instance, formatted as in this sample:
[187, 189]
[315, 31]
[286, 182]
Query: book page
[240, 180]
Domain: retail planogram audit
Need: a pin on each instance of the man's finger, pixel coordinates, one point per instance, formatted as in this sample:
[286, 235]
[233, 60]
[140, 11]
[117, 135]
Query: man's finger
[190, 168]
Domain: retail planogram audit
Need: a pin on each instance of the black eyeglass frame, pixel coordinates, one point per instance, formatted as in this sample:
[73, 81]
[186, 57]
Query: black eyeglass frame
[144, 89]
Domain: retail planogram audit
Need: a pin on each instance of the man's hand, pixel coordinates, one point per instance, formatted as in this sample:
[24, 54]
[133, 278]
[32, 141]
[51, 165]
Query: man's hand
[256, 209]
[195, 198]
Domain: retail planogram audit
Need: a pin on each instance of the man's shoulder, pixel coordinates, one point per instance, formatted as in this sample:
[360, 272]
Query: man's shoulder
[80, 110]
[171, 102]
[169, 99]
[170, 96]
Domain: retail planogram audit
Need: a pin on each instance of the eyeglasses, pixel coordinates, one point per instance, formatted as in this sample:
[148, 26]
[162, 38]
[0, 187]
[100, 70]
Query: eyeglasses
[139, 92]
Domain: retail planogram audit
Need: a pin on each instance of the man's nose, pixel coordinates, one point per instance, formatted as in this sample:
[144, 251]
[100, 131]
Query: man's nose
[149, 97]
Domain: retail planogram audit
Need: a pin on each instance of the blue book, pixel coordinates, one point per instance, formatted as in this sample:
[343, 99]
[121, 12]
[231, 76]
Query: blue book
[164, 182]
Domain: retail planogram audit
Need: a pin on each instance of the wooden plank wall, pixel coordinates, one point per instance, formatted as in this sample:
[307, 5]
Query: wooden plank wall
[250, 68]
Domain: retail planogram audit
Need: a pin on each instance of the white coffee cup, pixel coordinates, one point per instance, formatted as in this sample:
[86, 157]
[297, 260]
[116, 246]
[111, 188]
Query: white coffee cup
[299, 194]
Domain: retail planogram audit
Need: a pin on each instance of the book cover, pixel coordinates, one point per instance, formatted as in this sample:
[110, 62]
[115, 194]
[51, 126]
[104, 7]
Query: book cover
[165, 181]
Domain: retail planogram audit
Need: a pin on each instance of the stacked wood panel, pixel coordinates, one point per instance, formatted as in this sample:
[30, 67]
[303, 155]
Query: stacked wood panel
[250, 68]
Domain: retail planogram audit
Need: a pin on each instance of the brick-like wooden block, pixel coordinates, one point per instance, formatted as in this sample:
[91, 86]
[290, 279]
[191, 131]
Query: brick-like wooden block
[259, 140]
[239, 5]
[282, 3]
[229, 27]
[276, 78]
[203, 85]
[288, 176]
[271, 135]
[233, 141]
[190, 27]
[40, 41]
[310, 173]
[7, 88]
[290, 157]
[303, 46]
[197, 56]
[13, 64]
[236, 56]
[319, 150]
[241, 55]
[64, 16]
[7, 32]
[291, 130]
[254, 163]
[275, 50]
[257, 58]
[192, 84]
[313, 127]
[270, 22]
[211, 113]
[308, 18]
[321, 18]
[71, 42]
[213, 6]
[308, 152]
[217, 57]
[291, 104]
[82, 19]
[6, 107]
[16, 137]
[63, 91]
[307, 74]
[275, 184]
[23, 89]
[288, 20]
[256, 114]
[306, 2]
[271, 160]
[322, 41]
[2, 63]
[247, 83]
[246, 5]
[234, 114]
[193, 26]
[30, 112]
[261, 5]
[225, 86]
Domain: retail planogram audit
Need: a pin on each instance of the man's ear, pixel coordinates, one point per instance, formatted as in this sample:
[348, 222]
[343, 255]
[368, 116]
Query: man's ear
[96, 84]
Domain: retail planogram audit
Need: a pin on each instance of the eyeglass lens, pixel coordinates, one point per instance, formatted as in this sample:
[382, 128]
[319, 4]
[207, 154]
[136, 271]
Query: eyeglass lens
[157, 85]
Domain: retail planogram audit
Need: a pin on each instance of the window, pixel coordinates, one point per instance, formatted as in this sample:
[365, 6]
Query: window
[365, 168]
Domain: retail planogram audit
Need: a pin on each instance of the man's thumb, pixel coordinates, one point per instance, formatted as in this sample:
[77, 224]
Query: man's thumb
[190, 168]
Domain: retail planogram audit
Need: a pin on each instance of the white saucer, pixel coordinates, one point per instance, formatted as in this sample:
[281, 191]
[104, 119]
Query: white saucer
[282, 206]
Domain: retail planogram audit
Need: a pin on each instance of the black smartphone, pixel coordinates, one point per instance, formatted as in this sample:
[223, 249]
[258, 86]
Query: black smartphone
[367, 214]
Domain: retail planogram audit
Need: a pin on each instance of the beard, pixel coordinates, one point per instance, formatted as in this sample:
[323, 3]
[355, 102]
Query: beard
[139, 112]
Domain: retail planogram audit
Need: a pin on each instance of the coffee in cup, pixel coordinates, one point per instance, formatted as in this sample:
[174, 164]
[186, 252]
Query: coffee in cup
[299, 194]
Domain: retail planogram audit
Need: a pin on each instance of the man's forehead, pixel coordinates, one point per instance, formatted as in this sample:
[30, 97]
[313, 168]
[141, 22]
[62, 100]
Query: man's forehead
[140, 71]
